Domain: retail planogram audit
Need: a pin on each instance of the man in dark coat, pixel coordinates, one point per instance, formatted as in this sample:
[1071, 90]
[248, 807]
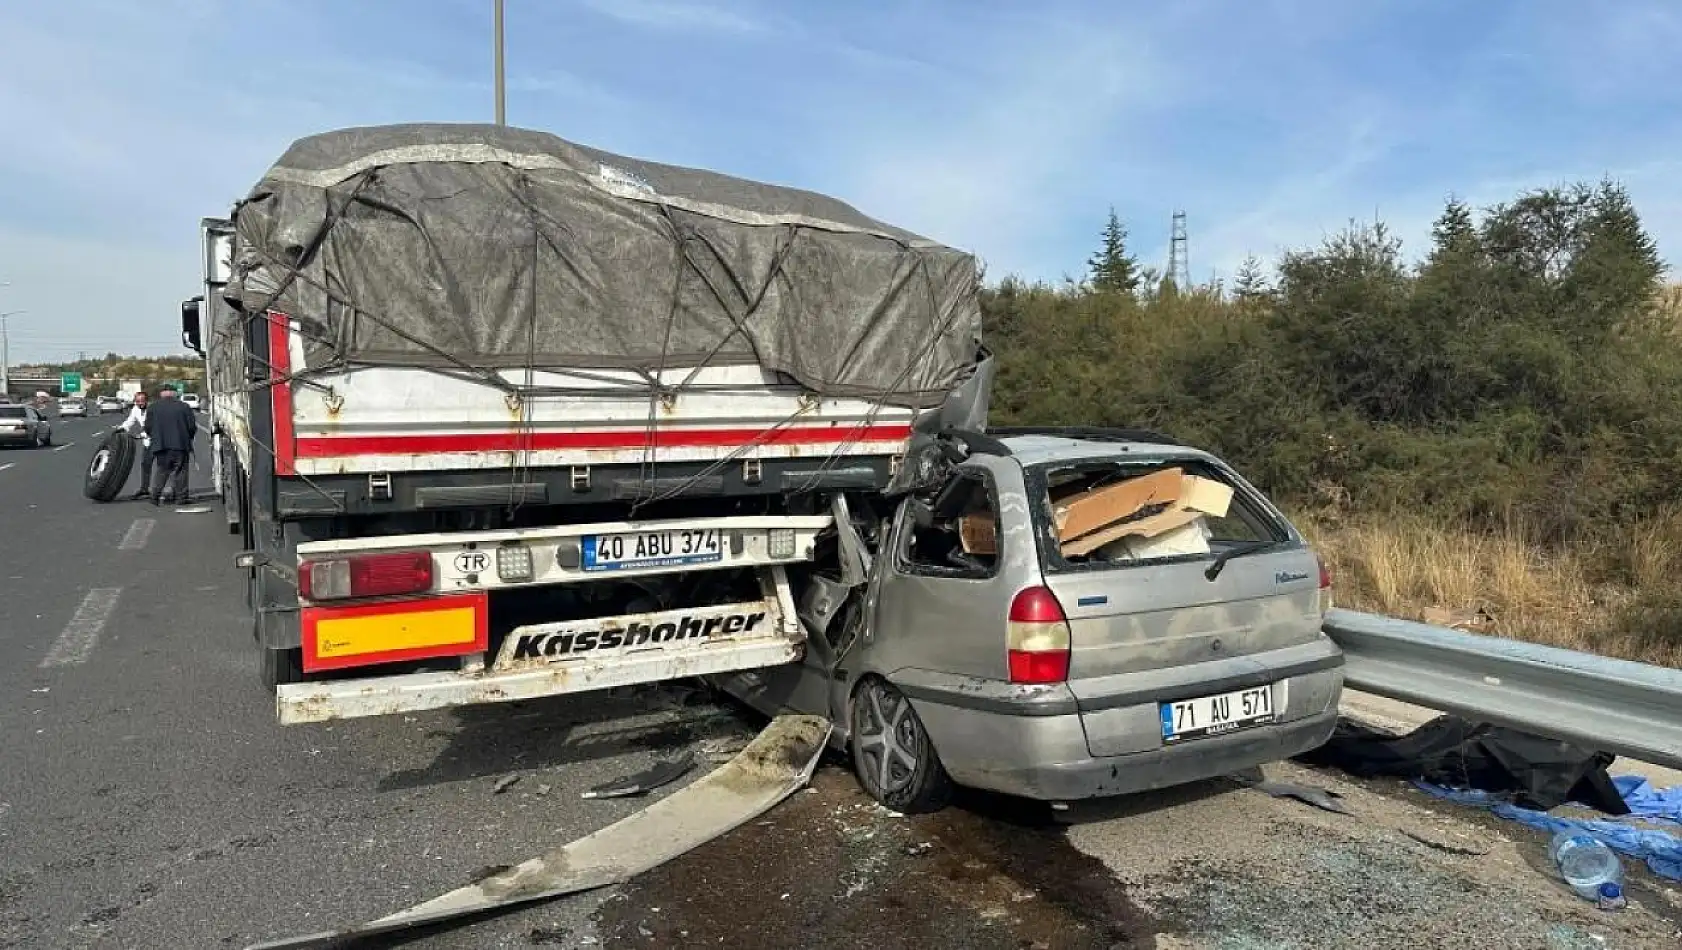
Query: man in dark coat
[171, 425]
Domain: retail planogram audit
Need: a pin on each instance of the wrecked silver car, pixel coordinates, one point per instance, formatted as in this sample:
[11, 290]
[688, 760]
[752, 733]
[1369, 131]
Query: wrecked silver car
[1065, 615]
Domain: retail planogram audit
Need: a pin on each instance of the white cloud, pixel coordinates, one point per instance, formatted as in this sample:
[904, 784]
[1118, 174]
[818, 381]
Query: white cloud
[678, 15]
[998, 168]
[127, 122]
[1303, 208]
[1303, 211]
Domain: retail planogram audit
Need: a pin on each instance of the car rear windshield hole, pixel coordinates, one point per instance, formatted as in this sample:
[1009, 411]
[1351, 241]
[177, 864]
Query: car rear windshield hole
[1205, 536]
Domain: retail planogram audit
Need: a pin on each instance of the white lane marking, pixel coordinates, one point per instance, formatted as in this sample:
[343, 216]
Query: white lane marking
[135, 538]
[76, 643]
[63, 447]
[6, 466]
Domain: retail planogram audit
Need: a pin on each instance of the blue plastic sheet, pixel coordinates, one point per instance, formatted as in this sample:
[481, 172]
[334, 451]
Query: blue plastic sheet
[1645, 801]
[1660, 850]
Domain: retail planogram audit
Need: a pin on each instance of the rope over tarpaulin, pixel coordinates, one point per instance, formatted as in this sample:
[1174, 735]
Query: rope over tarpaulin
[473, 250]
[486, 266]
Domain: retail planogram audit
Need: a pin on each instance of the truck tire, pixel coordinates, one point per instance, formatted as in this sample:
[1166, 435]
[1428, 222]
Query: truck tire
[108, 470]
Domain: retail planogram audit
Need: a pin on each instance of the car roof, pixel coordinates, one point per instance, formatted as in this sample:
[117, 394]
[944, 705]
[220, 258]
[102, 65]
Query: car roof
[1041, 449]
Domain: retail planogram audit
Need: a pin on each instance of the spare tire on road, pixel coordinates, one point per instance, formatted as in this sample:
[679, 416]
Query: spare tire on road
[108, 469]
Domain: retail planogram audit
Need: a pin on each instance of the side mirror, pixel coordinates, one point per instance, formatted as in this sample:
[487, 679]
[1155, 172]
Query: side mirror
[191, 336]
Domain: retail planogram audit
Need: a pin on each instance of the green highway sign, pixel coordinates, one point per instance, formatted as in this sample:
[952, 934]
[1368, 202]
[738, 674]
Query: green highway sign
[70, 382]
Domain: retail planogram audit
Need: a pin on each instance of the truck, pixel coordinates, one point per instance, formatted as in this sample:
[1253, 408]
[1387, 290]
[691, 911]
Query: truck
[500, 416]
[126, 390]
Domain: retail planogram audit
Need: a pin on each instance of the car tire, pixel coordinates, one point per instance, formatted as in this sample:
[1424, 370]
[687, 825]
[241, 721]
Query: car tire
[108, 469]
[893, 757]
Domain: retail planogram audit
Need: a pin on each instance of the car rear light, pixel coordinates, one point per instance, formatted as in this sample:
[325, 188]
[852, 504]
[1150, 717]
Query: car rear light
[1037, 638]
[1325, 585]
[366, 575]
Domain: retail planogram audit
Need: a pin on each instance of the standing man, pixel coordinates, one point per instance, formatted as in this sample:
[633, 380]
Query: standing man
[135, 425]
[172, 426]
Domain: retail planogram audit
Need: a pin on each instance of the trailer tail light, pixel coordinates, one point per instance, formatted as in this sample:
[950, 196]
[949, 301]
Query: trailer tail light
[513, 563]
[1037, 638]
[366, 575]
[779, 543]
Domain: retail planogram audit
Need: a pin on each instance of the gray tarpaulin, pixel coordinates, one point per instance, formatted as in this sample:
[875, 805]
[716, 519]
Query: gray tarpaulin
[504, 247]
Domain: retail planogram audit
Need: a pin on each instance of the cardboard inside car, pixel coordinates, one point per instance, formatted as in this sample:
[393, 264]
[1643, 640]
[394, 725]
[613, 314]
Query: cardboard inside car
[1185, 540]
[1144, 507]
[977, 534]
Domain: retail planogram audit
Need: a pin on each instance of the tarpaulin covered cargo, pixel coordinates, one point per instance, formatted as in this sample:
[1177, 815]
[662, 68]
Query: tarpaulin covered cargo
[497, 247]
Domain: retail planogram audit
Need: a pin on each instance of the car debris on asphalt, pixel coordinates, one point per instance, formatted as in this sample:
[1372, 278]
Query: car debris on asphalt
[776, 764]
[1322, 798]
[640, 783]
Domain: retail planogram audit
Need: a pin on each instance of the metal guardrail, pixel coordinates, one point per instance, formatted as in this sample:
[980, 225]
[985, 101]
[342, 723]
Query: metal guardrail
[1631, 709]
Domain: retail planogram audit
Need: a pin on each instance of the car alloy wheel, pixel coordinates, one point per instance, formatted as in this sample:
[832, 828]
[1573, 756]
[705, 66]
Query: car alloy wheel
[887, 739]
[892, 755]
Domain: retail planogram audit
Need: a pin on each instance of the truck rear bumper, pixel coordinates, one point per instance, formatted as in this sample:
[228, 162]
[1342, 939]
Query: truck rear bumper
[555, 658]
[299, 703]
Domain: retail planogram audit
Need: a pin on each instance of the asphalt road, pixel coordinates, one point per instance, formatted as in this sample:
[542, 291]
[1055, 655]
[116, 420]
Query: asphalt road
[149, 799]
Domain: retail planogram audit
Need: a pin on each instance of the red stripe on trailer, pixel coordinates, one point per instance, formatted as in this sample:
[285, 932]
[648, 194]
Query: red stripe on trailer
[280, 393]
[339, 446]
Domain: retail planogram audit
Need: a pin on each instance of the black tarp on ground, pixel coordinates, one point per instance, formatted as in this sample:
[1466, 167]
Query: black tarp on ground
[1539, 772]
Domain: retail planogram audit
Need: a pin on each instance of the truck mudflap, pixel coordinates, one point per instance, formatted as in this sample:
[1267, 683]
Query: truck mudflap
[552, 659]
[779, 762]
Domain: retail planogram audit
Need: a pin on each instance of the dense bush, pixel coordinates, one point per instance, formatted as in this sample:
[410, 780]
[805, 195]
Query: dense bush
[1517, 374]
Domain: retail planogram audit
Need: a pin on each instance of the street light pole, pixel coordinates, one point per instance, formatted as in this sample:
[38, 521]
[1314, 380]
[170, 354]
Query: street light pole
[501, 96]
[6, 353]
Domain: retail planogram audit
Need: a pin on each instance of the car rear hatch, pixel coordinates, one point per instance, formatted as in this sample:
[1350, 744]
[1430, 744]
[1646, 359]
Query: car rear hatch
[1180, 582]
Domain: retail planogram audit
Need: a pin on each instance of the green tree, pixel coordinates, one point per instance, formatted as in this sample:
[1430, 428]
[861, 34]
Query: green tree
[1250, 284]
[1112, 268]
[1454, 232]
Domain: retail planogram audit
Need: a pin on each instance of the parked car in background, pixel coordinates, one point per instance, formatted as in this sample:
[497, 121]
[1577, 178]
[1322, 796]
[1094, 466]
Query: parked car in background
[72, 407]
[110, 404]
[192, 400]
[24, 426]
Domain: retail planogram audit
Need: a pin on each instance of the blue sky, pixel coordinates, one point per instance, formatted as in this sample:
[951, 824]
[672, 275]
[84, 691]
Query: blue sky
[1006, 128]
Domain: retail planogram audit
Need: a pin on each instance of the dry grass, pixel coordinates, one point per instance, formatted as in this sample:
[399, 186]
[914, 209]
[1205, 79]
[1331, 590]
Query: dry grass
[1667, 306]
[1618, 598]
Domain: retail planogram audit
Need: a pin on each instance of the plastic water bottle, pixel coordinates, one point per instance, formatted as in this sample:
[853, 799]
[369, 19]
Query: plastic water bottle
[1589, 868]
